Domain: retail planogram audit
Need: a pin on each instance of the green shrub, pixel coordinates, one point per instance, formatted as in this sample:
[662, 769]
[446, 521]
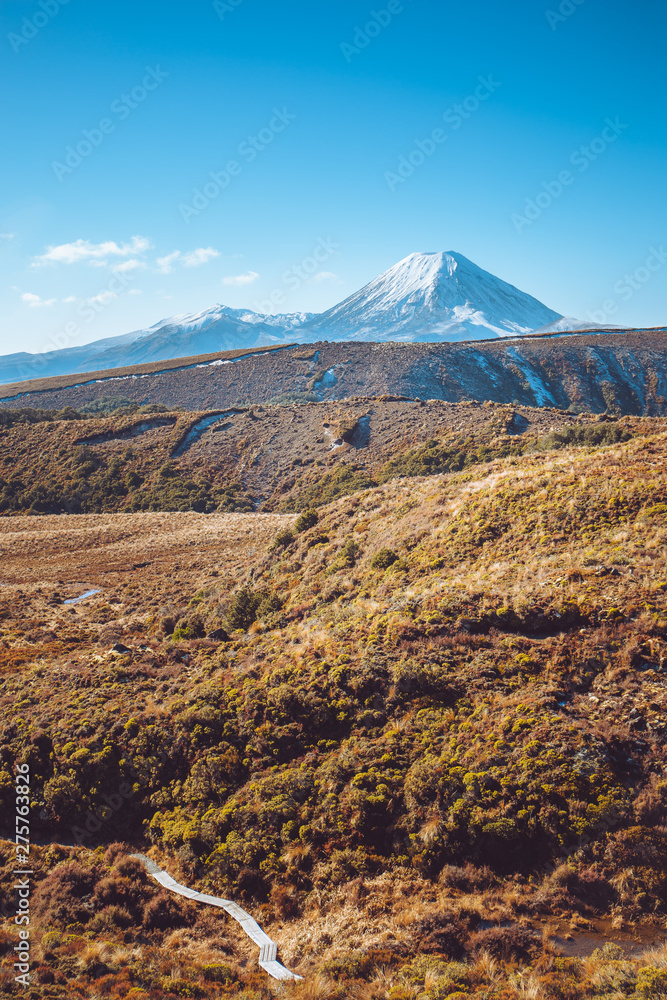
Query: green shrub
[247, 606]
[106, 405]
[357, 965]
[190, 628]
[243, 609]
[384, 559]
[306, 520]
[652, 983]
[590, 435]
[30, 415]
[182, 631]
[181, 988]
[269, 605]
[347, 556]
[436, 457]
[340, 482]
[215, 973]
[90, 485]
[284, 538]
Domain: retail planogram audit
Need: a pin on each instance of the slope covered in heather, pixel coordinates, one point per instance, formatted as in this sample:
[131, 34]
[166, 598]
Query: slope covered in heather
[435, 732]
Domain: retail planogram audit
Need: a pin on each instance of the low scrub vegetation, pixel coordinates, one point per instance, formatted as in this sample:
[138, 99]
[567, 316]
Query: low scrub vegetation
[437, 456]
[118, 456]
[69, 475]
[427, 747]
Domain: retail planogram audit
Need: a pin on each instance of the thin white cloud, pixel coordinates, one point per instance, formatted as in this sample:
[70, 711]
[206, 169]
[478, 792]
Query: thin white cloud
[102, 298]
[135, 291]
[83, 251]
[325, 276]
[201, 255]
[7, 236]
[166, 264]
[133, 264]
[36, 301]
[193, 258]
[241, 279]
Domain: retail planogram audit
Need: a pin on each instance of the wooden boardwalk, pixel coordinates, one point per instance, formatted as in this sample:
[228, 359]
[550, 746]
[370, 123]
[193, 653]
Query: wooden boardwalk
[268, 949]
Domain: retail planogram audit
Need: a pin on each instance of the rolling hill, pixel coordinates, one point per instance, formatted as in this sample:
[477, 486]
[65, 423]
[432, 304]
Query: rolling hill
[619, 372]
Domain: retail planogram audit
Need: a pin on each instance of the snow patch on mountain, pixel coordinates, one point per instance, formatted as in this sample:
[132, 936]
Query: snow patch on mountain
[285, 321]
[568, 324]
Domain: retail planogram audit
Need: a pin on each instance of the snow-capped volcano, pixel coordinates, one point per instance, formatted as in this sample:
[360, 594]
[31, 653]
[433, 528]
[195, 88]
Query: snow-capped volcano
[425, 297]
[432, 297]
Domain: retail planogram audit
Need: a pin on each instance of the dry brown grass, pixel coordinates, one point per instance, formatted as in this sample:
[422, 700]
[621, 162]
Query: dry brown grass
[91, 547]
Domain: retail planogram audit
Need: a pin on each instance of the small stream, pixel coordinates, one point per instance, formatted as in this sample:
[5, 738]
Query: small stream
[583, 942]
[82, 597]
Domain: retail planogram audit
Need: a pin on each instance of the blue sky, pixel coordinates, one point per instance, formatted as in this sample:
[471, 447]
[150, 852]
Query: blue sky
[548, 170]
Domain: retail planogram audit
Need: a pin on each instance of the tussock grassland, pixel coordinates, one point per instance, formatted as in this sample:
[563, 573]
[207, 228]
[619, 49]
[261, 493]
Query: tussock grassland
[145, 547]
[426, 749]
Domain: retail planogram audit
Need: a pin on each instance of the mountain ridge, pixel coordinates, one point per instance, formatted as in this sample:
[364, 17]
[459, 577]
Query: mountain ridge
[426, 297]
[617, 371]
